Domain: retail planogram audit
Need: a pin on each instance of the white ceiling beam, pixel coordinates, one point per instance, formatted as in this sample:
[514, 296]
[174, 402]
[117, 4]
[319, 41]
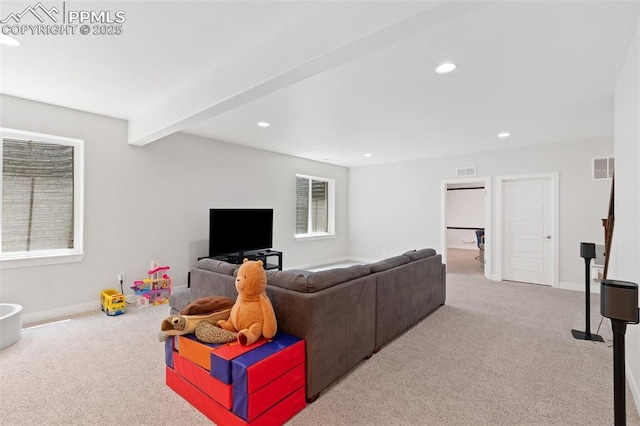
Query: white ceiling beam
[293, 55]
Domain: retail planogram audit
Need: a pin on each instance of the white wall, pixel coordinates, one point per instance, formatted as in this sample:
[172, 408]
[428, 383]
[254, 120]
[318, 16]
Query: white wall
[465, 209]
[144, 203]
[626, 234]
[396, 207]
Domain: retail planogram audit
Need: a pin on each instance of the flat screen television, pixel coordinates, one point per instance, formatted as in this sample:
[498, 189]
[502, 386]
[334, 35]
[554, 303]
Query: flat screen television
[239, 230]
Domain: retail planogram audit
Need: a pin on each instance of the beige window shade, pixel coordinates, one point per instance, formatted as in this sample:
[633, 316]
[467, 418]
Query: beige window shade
[37, 196]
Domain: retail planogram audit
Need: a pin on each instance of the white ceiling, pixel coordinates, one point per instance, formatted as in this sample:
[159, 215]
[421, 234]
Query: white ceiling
[337, 80]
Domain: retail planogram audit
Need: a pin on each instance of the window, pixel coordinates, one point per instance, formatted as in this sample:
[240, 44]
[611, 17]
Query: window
[42, 181]
[314, 206]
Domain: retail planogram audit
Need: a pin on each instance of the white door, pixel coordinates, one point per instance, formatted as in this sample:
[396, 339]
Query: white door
[527, 223]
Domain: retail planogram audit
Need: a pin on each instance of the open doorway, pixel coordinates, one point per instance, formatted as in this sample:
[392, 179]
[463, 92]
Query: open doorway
[466, 223]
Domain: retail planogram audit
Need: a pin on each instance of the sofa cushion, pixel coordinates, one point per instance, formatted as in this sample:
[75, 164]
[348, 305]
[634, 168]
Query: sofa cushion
[217, 266]
[420, 254]
[324, 279]
[389, 263]
[302, 272]
[291, 280]
[179, 298]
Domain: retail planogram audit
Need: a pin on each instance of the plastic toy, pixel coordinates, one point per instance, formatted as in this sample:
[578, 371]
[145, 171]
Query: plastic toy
[156, 289]
[112, 302]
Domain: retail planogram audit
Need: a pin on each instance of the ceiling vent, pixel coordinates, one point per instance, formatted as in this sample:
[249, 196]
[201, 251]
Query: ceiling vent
[465, 171]
[603, 168]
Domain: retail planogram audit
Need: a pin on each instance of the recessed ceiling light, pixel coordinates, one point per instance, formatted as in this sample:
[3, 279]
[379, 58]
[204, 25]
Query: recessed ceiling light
[264, 124]
[8, 41]
[504, 135]
[368, 155]
[445, 68]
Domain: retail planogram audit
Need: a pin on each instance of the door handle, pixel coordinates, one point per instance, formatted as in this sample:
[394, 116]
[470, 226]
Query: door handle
[548, 237]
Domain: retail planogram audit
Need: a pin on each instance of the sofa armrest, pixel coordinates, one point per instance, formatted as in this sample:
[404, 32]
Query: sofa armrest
[336, 324]
[180, 298]
[206, 283]
[406, 295]
[420, 254]
[214, 265]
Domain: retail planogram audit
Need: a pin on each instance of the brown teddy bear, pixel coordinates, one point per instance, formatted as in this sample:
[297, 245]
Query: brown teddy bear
[252, 315]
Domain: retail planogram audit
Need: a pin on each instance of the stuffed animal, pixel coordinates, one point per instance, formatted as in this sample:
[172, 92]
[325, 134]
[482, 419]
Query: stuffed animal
[199, 317]
[207, 305]
[209, 333]
[252, 315]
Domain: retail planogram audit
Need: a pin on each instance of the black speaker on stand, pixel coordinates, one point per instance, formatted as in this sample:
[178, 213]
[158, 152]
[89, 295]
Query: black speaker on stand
[619, 302]
[588, 252]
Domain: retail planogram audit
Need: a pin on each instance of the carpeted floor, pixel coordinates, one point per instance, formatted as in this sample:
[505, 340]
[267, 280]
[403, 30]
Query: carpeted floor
[497, 353]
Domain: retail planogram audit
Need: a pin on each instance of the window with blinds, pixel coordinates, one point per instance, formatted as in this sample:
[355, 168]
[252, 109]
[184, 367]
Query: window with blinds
[314, 206]
[40, 197]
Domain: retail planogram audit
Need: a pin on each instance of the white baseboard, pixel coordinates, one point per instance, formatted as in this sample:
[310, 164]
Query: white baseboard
[463, 247]
[315, 264]
[330, 261]
[73, 310]
[60, 312]
[635, 390]
[594, 287]
[362, 259]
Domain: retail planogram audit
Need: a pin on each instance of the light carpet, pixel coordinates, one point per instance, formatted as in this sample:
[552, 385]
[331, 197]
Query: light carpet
[497, 353]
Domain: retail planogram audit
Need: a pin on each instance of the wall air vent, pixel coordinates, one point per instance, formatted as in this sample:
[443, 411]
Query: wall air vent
[602, 168]
[465, 171]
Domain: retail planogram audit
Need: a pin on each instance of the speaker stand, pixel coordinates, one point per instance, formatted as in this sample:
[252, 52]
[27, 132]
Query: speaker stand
[586, 335]
[582, 335]
[619, 392]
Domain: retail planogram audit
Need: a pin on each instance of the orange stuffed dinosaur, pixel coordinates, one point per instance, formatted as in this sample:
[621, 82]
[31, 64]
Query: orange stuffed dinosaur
[252, 315]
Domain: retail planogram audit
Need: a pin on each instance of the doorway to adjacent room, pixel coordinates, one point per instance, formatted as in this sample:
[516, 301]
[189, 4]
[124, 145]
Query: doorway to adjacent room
[466, 221]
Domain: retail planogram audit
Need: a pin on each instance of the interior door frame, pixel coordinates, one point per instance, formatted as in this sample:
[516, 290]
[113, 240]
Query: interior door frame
[555, 221]
[488, 235]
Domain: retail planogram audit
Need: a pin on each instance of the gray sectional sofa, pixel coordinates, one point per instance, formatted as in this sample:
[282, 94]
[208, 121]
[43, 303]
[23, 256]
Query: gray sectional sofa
[343, 314]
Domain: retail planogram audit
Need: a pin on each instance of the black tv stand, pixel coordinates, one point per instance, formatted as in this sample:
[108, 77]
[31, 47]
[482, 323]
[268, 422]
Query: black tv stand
[267, 257]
